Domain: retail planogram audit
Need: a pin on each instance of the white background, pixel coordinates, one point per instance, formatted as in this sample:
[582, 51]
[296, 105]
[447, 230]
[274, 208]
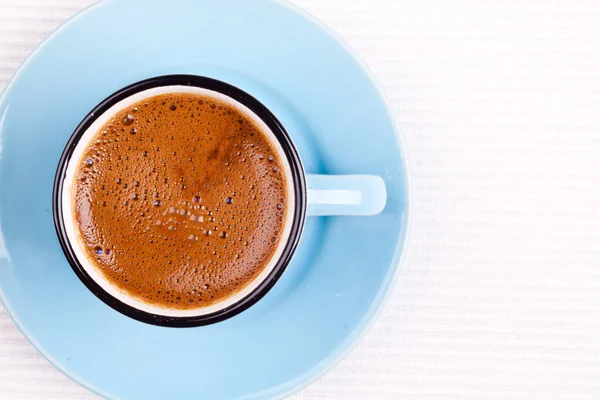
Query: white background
[499, 103]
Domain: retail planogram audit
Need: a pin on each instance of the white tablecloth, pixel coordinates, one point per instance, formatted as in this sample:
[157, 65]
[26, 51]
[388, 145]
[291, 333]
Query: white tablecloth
[499, 102]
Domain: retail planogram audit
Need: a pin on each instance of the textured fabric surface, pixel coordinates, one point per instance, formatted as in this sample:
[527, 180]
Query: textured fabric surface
[499, 103]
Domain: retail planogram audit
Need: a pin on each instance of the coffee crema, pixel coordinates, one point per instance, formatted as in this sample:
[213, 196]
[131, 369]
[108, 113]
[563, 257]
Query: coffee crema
[180, 200]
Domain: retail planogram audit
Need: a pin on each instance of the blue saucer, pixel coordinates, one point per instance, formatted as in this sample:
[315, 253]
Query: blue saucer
[344, 265]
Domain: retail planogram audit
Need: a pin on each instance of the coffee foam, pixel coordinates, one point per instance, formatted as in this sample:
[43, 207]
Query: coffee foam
[176, 216]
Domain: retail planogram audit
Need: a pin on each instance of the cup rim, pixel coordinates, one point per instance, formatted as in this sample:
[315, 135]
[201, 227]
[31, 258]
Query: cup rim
[298, 215]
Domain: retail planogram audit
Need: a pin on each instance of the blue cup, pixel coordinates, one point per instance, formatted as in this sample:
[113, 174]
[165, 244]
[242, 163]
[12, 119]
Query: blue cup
[310, 196]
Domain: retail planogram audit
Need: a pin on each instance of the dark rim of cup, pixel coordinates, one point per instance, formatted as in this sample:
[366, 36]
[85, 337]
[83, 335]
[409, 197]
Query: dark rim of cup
[298, 178]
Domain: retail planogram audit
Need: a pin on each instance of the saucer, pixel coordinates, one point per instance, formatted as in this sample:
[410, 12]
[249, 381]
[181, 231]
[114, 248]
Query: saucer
[343, 267]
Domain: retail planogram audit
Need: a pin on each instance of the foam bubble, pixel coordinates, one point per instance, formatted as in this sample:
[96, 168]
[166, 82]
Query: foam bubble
[185, 220]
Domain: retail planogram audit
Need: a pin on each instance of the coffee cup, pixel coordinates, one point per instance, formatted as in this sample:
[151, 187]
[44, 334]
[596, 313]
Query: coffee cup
[307, 195]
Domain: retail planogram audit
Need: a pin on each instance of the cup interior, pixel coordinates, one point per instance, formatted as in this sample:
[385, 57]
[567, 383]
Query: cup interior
[69, 232]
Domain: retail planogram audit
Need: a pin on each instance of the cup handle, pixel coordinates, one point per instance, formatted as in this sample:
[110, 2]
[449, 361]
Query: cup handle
[345, 195]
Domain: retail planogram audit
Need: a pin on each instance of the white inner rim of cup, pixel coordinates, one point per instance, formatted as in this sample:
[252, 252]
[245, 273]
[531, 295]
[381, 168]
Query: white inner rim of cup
[73, 232]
